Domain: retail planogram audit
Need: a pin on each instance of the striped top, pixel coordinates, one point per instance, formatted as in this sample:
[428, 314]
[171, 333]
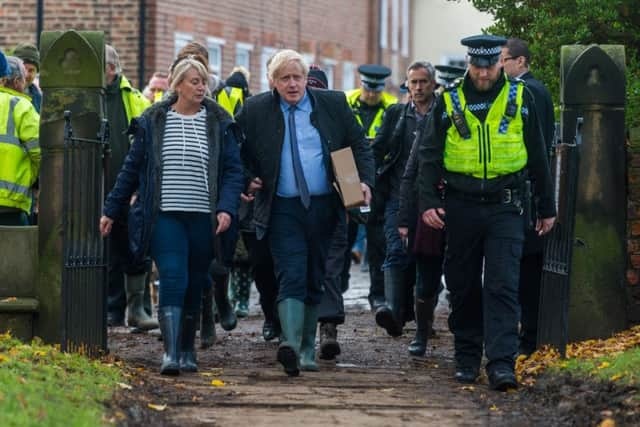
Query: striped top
[185, 163]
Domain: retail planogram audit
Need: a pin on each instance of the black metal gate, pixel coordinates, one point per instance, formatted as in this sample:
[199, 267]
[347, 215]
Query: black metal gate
[553, 319]
[84, 275]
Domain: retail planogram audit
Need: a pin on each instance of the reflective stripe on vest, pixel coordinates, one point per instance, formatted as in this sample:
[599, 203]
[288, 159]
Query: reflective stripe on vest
[496, 146]
[10, 137]
[15, 188]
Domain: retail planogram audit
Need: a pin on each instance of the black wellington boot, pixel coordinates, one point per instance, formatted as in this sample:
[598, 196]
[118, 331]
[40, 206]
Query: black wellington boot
[228, 319]
[169, 318]
[391, 315]
[207, 327]
[188, 362]
[424, 321]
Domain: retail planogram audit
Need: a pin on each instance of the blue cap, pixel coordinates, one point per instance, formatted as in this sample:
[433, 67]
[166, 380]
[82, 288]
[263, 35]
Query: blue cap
[484, 50]
[448, 73]
[4, 66]
[372, 76]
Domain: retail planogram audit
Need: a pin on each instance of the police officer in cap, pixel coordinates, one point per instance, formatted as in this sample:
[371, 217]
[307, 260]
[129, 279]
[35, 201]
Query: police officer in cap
[447, 74]
[369, 102]
[484, 141]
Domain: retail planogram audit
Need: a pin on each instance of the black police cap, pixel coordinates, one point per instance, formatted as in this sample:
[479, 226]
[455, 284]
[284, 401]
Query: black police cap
[484, 50]
[372, 76]
[448, 73]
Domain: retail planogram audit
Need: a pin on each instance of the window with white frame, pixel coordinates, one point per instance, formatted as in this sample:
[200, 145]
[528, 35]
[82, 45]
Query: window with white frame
[309, 58]
[329, 66]
[384, 22]
[405, 28]
[243, 55]
[348, 75]
[267, 52]
[180, 40]
[214, 47]
[395, 24]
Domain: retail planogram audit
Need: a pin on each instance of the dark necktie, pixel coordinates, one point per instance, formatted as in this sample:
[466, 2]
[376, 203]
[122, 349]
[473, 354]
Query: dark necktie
[297, 164]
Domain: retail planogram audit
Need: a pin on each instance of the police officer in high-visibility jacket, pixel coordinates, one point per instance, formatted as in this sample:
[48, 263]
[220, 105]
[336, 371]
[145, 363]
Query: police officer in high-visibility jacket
[368, 103]
[19, 146]
[127, 281]
[484, 140]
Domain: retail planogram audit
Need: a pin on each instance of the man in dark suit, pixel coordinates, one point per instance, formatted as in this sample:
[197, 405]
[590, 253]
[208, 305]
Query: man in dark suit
[289, 134]
[515, 61]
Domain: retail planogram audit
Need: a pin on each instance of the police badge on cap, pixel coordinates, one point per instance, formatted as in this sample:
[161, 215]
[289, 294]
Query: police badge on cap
[484, 50]
[372, 76]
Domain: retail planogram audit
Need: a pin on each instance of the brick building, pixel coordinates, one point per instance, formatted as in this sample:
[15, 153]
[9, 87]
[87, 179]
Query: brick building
[335, 34]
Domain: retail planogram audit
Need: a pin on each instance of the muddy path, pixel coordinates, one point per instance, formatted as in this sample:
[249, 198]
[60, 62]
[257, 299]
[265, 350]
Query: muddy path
[374, 382]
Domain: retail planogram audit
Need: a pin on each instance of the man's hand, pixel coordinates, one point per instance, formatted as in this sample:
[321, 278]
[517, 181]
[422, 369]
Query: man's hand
[254, 186]
[403, 232]
[106, 224]
[544, 225]
[366, 192]
[434, 218]
[224, 221]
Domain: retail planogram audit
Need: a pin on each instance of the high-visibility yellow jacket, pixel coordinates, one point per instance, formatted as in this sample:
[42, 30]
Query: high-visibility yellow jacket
[353, 98]
[229, 98]
[496, 146]
[134, 101]
[19, 149]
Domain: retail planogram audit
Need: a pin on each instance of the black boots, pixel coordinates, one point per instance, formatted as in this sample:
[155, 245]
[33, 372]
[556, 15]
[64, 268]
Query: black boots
[329, 346]
[228, 319]
[169, 318]
[188, 362]
[391, 315]
[424, 323]
[207, 327]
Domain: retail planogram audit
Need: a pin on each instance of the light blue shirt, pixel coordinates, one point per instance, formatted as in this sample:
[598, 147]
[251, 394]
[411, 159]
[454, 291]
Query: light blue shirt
[310, 149]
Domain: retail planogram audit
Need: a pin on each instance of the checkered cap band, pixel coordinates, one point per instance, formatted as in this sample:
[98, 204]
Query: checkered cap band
[483, 51]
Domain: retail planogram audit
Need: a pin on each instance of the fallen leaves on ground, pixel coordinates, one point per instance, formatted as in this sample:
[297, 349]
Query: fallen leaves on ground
[155, 407]
[217, 383]
[527, 368]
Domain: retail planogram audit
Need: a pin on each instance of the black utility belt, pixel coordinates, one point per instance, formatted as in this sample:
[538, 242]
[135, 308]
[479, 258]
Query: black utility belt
[505, 196]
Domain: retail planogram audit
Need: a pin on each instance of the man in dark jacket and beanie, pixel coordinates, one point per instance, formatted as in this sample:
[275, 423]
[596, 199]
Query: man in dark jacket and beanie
[391, 149]
[31, 59]
[515, 62]
[289, 133]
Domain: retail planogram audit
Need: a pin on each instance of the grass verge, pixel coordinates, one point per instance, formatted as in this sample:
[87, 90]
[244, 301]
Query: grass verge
[41, 386]
[622, 368]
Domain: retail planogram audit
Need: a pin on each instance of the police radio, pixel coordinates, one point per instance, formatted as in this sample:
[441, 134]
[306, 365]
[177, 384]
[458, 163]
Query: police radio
[461, 125]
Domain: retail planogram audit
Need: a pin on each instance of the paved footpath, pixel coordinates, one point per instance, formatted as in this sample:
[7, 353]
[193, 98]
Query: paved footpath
[374, 382]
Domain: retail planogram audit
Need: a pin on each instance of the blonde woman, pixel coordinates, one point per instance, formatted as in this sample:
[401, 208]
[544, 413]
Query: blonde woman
[185, 166]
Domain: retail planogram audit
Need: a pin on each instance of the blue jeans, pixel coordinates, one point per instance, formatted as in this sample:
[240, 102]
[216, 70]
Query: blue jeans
[182, 247]
[397, 255]
[300, 240]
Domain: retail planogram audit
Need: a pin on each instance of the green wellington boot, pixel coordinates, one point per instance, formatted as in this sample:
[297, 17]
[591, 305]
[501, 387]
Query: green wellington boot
[241, 289]
[291, 312]
[308, 345]
[137, 317]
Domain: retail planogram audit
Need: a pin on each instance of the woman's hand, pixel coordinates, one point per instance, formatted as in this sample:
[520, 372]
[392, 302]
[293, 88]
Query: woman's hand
[224, 221]
[254, 186]
[105, 225]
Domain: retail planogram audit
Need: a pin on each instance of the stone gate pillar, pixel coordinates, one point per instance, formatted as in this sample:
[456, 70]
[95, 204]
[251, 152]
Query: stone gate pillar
[593, 87]
[72, 78]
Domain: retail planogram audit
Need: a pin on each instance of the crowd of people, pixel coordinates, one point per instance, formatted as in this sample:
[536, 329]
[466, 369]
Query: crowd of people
[221, 189]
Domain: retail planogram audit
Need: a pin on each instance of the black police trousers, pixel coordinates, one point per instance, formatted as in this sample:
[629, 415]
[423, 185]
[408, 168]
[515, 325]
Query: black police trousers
[482, 267]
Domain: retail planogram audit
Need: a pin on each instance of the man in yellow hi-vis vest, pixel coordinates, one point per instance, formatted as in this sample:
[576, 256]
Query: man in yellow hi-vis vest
[19, 146]
[127, 282]
[369, 102]
[485, 142]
